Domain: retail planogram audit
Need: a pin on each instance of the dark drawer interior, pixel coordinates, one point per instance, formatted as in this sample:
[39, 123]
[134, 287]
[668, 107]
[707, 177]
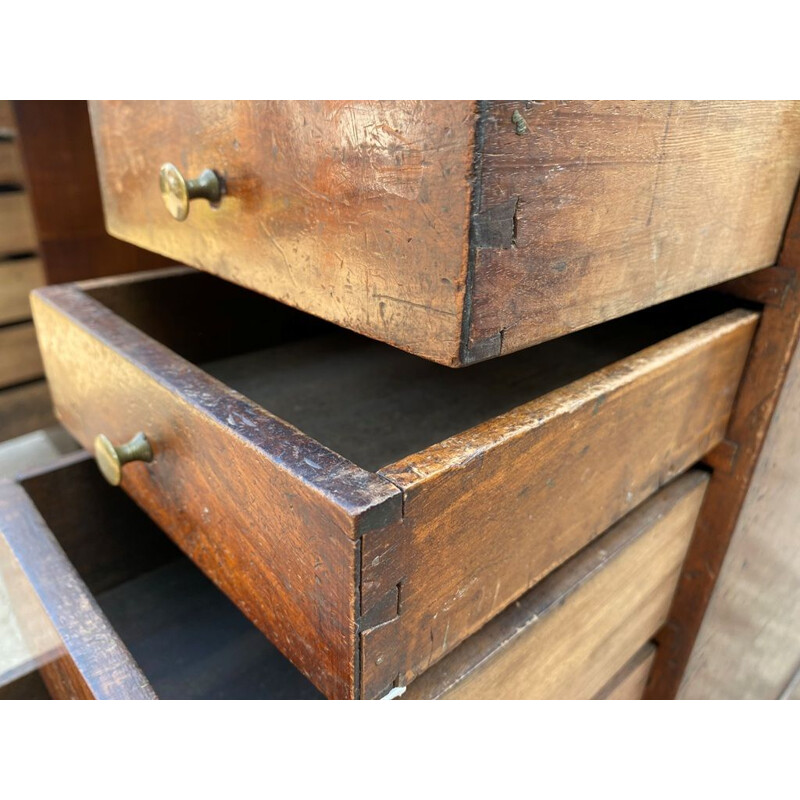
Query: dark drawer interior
[190, 641]
[370, 402]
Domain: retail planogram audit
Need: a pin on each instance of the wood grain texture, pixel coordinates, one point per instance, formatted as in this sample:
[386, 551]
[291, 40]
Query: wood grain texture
[18, 278]
[17, 228]
[763, 379]
[749, 643]
[107, 669]
[573, 632]
[270, 515]
[512, 499]
[314, 548]
[357, 212]
[19, 354]
[54, 137]
[441, 229]
[11, 169]
[629, 683]
[25, 408]
[621, 205]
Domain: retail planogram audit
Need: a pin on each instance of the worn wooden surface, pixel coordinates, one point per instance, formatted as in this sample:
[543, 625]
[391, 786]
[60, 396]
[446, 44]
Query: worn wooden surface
[17, 229]
[55, 139]
[187, 638]
[629, 683]
[87, 642]
[18, 278]
[11, 169]
[444, 229]
[271, 516]
[573, 632]
[24, 409]
[515, 497]
[357, 212]
[773, 346]
[620, 205]
[749, 643]
[19, 354]
[107, 376]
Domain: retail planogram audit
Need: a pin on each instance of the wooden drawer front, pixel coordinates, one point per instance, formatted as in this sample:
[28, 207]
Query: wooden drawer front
[459, 231]
[18, 278]
[19, 354]
[571, 635]
[428, 499]
[17, 229]
[110, 607]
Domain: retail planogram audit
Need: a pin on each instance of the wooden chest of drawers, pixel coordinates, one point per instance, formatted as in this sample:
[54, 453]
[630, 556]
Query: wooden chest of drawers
[458, 231]
[426, 501]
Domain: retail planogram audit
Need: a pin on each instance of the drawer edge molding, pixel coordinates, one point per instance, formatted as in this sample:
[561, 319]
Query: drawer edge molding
[86, 636]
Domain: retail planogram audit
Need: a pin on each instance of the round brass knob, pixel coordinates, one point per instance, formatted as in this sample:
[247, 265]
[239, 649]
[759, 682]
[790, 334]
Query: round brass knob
[177, 192]
[111, 459]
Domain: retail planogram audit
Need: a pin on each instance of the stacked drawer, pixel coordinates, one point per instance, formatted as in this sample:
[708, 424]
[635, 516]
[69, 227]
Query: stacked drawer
[24, 403]
[513, 529]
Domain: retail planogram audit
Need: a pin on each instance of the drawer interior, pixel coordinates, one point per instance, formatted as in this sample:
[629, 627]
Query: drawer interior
[367, 401]
[190, 641]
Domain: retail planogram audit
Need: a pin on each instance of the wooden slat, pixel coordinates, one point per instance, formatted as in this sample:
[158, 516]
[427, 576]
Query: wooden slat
[18, 278]
[758, 395]
[490, 512]
[17, 229]
[24, 409]
[629, 683]
[19, 355]
[11, 169]
[571, 634]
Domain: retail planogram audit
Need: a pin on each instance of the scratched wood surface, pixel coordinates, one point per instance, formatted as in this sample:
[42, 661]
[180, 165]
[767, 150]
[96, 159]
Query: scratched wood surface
[270, 515]
[288, 526]
[460, 231]
[625, 204]
[355, 212]
[19, 354]
[573, 632]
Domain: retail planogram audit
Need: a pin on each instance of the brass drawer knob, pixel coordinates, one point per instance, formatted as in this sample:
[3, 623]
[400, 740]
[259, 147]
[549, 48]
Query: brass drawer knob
[111, 459]
[177, 192]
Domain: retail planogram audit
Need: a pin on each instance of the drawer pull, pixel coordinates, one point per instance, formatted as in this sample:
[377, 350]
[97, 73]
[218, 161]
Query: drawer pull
[177, 192]
[111, 459]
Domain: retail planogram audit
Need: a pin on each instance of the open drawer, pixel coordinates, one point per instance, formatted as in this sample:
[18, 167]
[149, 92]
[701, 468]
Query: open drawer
[366, 509]
[111, 609]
